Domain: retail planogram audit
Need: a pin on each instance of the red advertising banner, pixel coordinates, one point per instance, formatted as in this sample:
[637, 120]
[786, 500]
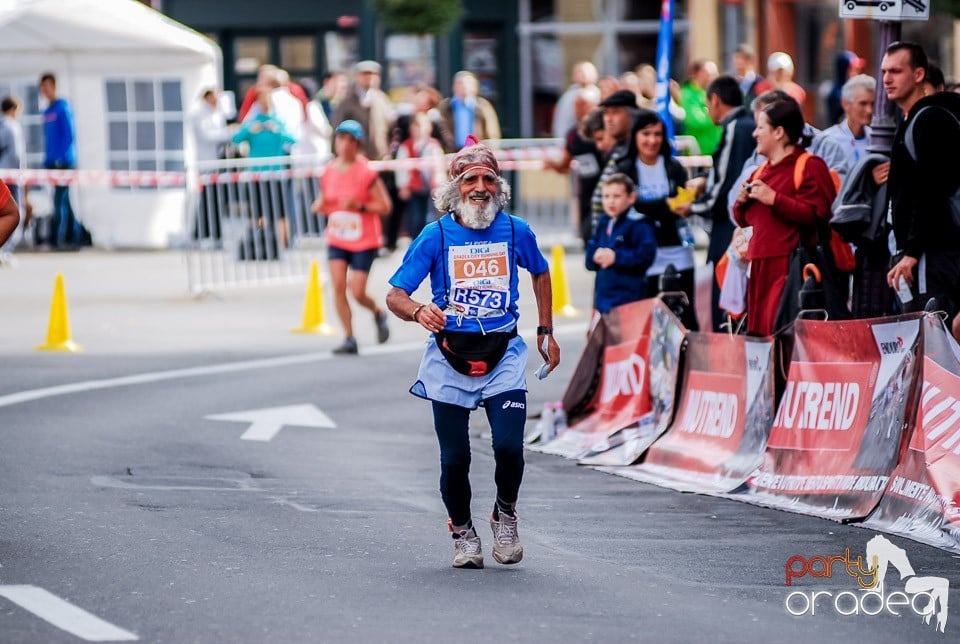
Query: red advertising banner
[839, 425]
[610, 387]
[922, 498]
[627, 445]
[718, 436]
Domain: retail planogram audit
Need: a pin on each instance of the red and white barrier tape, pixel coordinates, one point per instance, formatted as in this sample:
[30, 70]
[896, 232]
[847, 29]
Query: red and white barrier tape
[105, 178]
[514, 159]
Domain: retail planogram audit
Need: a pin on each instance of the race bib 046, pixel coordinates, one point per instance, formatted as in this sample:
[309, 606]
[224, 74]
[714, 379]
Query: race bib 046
[479, 279]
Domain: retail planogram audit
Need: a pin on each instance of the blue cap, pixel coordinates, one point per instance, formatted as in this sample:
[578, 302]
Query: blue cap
[352, 128]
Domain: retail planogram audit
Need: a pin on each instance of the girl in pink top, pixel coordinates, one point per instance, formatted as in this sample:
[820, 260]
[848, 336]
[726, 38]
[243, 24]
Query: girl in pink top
[353, 199]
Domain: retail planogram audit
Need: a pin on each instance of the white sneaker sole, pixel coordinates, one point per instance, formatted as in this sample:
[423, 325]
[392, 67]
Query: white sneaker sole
[507, 559]
[469, 563]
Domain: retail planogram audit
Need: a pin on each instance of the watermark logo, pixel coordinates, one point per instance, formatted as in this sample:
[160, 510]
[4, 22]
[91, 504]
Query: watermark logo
[923, 596]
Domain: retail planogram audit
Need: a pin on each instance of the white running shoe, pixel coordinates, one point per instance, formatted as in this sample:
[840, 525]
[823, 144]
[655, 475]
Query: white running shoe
[506, 540]
[467, 552]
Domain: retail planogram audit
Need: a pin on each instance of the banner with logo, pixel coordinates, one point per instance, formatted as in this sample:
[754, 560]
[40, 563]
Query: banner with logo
[922, 498]
[610, 388]
[838, 429]
[719, 434]
[627, 445]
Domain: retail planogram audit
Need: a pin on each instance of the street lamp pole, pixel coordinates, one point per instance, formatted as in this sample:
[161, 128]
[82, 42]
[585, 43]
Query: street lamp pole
[884, 124]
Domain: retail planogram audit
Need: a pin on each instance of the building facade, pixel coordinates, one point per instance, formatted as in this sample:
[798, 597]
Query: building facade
[522, 50]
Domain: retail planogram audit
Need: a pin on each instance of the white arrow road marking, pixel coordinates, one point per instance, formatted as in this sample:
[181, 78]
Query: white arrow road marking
[267, 423]
[65, 615]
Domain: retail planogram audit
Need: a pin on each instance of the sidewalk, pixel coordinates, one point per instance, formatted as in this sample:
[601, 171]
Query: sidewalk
[138, 303]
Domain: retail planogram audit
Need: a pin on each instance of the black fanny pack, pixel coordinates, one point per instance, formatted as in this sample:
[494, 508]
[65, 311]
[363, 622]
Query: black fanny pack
[473, 354]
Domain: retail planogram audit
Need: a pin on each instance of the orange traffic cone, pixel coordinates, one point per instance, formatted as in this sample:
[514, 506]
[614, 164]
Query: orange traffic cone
[58, 330]
[561, 290]
[313, 318]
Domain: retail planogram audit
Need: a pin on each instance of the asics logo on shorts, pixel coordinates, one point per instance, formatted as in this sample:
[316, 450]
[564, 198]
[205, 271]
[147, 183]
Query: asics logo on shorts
[509, 404]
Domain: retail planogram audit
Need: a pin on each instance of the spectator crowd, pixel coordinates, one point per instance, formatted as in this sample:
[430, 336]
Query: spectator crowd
[882, 226]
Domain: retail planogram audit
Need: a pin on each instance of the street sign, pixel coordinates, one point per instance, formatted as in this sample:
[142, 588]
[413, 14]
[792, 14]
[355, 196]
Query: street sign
[267, 423]
[886, 9]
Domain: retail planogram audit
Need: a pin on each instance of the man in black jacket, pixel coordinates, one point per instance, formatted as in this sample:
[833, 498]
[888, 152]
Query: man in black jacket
[923, 179]
[725, 105]
[619, 110]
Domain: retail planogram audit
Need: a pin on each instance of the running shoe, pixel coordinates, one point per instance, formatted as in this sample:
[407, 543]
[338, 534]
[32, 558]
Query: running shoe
[349, 347]
[467, 552]
[383, 331]
[506, 540]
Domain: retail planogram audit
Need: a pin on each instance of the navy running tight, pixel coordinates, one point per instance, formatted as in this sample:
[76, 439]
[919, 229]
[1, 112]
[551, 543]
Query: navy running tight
[507, 414]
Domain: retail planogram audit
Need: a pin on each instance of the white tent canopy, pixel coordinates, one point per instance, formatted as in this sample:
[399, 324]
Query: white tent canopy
[93, 26]
[131, 75]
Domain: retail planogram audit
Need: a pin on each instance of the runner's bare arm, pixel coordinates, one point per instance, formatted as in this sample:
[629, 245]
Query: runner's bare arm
[9, 218]
[543, 292]
[429, 316]
[380, 199]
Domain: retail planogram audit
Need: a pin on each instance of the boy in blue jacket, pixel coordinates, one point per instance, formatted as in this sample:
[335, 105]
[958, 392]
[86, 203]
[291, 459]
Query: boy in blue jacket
[622, 248]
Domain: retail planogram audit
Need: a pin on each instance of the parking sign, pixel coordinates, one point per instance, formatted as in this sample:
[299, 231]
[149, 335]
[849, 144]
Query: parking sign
[886, 9]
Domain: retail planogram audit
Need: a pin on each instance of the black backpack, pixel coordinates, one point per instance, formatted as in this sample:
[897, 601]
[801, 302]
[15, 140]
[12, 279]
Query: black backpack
[910, 144]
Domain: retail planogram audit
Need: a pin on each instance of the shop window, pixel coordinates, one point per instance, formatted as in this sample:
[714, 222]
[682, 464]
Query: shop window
[298, 54]
[340, 50]
[249, 53]
[480, 57]
[410, 62]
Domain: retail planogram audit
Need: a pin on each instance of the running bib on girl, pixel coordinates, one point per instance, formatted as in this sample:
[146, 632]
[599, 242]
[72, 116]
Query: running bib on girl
[479, 279]
[345, 225]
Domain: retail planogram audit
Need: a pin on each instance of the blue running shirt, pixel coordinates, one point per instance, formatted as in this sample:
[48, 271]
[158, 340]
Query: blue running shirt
[478, 267]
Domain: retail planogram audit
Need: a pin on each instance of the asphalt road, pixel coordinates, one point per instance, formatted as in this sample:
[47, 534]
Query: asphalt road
[120, 497]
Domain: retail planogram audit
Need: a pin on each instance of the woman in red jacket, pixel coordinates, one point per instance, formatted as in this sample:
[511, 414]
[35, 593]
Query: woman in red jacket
[783, 209]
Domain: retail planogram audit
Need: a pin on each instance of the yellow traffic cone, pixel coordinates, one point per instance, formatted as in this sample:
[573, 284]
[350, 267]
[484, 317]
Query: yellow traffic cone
[313, 320]
[561, 290]
[58, 330]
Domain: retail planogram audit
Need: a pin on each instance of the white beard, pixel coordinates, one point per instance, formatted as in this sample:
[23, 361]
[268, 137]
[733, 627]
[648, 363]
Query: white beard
[477, 217]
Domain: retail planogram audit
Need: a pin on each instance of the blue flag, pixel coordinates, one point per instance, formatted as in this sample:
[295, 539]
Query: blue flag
[664, 55]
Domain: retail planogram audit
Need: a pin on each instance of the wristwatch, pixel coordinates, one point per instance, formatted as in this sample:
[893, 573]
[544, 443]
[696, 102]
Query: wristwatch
[544, 330]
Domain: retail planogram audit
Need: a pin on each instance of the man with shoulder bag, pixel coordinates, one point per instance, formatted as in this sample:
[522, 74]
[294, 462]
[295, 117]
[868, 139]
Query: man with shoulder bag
[924, 201]
[476, 358]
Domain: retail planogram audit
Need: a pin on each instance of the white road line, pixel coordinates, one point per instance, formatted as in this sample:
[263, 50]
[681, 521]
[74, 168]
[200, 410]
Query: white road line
[65, 615]
[228, 367]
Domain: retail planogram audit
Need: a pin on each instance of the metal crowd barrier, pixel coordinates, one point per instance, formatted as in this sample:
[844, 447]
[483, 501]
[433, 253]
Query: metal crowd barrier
[249, 221]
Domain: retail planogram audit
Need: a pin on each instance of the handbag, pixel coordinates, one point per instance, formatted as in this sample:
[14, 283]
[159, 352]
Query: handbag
[473, 354]
[835, 303]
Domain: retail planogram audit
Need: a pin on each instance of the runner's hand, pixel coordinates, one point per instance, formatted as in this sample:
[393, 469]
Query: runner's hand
[432, 318]
[552, 355]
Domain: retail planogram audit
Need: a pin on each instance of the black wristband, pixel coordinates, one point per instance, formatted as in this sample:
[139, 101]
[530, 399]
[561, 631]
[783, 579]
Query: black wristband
[544, 330]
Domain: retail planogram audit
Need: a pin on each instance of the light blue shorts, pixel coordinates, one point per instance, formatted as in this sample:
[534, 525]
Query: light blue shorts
[440, 382]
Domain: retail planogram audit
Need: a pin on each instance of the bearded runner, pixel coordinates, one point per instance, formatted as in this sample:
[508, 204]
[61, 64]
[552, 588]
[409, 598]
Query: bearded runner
[472, 254]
